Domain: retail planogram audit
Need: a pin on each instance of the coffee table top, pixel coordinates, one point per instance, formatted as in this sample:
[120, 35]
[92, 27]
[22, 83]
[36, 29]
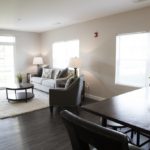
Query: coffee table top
[20, 86]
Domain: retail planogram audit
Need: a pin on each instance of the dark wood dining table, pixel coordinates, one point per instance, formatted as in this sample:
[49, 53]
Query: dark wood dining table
[131, 109]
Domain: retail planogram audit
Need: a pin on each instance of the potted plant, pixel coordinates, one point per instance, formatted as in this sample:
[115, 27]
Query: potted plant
[19, 78]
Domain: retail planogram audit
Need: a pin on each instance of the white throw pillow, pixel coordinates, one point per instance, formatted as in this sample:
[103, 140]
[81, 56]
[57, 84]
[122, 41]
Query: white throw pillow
[47, 73]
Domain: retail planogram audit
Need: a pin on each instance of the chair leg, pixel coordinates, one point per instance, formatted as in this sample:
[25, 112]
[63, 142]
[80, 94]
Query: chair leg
[132, 134]
[138, 139]
[51, 109]
[114, 128]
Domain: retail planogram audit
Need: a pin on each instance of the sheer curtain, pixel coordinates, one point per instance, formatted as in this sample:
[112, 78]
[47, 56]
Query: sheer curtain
[7, 76]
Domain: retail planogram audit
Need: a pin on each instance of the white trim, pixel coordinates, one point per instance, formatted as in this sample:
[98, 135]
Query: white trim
[128, 33]
[94, 97]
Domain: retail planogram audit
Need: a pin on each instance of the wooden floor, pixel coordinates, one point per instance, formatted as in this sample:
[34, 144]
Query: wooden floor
[37, 130]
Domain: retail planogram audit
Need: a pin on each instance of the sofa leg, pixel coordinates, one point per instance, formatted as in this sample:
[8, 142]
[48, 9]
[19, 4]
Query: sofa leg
[51, 109]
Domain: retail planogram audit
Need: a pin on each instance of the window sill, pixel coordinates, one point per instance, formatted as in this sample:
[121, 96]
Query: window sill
[127, 85]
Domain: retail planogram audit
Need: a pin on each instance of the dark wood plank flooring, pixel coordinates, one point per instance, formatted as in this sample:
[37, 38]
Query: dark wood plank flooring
[38, 130]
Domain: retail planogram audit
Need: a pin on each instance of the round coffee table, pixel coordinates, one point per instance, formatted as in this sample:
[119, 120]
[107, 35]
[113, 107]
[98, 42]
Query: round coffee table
[20, 92]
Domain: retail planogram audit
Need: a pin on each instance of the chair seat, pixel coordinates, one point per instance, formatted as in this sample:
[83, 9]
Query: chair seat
[114, 124]
[133, 147]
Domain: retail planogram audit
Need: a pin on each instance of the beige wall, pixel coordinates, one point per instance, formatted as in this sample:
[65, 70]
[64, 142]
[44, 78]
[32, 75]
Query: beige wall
[27, 46]
[98, 54]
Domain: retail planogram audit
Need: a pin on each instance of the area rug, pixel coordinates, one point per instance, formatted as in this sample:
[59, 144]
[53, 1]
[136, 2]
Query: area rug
[9, 109]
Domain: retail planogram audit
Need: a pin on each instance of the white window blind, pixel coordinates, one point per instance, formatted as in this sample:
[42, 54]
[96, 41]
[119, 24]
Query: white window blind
[7, 44]
[133, 59]
[63, 52]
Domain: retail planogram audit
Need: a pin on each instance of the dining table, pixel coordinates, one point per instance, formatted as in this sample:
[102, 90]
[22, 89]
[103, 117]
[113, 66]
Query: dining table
[131, 109]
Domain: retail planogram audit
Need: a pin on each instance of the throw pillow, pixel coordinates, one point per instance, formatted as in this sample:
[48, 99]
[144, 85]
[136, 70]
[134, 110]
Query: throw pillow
[63, 73]
[40, 70]
[69, 82]
[55, 73]
[47, 73]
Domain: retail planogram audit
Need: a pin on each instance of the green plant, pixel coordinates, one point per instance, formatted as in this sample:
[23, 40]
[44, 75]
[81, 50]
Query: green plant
[19, 77]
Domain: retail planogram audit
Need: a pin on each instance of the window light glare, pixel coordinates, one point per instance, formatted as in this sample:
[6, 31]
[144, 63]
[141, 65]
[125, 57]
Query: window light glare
[63, 52]
[7, 39]
[132, 59]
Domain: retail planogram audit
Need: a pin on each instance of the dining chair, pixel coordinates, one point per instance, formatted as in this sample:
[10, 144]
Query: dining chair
[84, 133]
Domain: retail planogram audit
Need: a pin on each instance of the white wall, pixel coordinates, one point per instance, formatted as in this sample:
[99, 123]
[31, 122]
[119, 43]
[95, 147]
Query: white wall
[98, 54]
[27, 46]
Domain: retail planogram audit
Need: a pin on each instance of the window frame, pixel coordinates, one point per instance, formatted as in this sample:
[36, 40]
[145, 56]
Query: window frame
[117, 63]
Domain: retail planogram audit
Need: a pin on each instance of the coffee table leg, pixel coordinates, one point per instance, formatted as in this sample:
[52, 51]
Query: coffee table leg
[138, 139]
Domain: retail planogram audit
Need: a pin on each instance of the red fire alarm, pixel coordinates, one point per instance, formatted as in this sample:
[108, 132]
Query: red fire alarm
[95, 34]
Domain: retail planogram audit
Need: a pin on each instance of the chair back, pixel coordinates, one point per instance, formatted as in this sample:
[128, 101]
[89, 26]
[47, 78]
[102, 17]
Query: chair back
[84, 133]
[70, 96]
[80, 92]
[75, 90]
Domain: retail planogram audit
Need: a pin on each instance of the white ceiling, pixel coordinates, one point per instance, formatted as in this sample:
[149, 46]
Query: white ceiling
[43, 15]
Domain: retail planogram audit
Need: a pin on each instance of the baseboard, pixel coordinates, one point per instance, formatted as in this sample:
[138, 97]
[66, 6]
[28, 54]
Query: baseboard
[94, 97]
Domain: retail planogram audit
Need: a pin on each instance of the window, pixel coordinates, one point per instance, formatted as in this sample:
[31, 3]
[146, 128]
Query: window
[133, 59]
[6, 60]
[63, 51]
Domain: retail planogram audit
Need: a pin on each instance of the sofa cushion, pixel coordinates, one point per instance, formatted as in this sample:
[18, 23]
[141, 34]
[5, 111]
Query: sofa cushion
[47, 73]
[37, 80]
[63, 73]
[55, 73]
[49, 83]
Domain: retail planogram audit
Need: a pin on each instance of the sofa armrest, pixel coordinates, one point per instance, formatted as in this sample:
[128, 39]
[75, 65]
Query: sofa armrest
[30, 75]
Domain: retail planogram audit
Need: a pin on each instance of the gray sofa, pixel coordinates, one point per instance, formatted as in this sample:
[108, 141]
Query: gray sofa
[55, 78]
